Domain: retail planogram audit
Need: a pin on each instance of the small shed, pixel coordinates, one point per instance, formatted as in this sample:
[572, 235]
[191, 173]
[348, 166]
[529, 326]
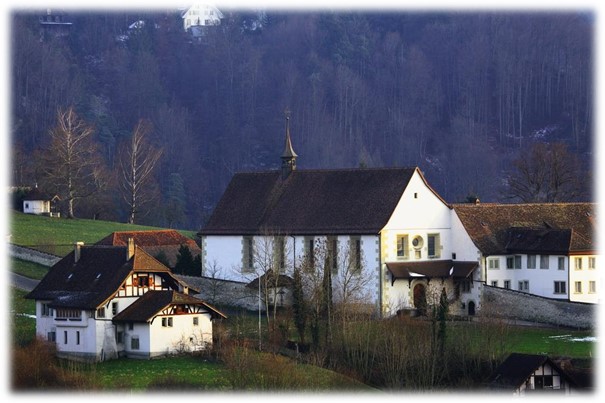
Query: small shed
[278, 288]
[39, 202]
[520, 374]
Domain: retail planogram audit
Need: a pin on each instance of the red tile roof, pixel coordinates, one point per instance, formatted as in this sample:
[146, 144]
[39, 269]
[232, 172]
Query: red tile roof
[491, 225]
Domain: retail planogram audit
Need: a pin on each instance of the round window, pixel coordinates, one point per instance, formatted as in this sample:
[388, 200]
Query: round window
[417, 242]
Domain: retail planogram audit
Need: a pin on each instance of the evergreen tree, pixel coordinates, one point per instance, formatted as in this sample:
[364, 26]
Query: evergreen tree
[185, 263]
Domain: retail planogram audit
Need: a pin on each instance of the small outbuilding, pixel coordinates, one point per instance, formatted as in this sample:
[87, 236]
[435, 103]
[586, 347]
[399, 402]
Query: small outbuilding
[520, 374]
[39, 202]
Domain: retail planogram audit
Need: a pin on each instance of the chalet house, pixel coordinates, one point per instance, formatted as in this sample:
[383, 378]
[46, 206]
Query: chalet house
[392, 231]
[39, 202]
[387, 227]
[201, 15]
[522, 374]
[155, 242]
[103, 302]
[543, 249]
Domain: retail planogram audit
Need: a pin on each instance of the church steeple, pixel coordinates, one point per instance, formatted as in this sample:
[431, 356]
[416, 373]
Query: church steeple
[288, 157]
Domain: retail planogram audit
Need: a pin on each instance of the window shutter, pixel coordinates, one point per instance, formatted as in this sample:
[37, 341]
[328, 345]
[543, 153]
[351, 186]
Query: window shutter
[150, 281]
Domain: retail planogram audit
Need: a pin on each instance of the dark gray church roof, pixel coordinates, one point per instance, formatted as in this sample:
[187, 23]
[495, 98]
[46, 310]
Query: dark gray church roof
[343, 201]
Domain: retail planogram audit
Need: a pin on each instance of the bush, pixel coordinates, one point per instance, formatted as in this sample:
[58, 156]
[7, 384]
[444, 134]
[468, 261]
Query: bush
[35, 366]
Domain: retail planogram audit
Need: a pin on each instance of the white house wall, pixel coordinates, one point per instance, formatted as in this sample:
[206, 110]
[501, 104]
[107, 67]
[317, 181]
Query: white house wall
[36, 206]
[419, 213]
[541, 281]
[584, 275]
[181, 336]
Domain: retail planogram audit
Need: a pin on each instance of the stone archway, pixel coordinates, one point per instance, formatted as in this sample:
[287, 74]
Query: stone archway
[420, 299]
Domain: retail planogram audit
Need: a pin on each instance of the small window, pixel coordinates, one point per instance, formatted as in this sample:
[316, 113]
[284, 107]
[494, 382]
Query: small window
[591, 262]
[493, 264]
[355, 254]
[114, 308]
[77, 337]
[196, 321]
[47, 310]
[578, 287]
[101, 312]
[524, 285]
[310, 251]
[592, 287]
[51, 336]
[167, 322]
[495, 283]
[333, 253]
[65, 337]
[531, 261]
[130, 325]
[402, 247]
[560, 287]
[578, 263]
[134, 343]
[507, 284]
[543, 262]
[120, 337]
[433, 246]
[465, 286]
[248, 255]
[561, 263]
[513, 262]
[279, 254]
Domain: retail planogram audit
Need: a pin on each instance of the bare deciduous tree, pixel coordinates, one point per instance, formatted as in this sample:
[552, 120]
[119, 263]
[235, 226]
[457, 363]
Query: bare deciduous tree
[137, 163]
[547, 172]
[71, 163]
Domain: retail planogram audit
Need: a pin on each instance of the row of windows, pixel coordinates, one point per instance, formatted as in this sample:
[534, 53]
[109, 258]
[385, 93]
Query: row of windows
[52, 337]
[514, 262]
[255, 253]
[433, 246]
[532, 262]
[560, 287]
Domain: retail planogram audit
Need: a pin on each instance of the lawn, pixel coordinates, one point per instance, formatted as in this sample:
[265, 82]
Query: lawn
[57, 235]
[28, 269]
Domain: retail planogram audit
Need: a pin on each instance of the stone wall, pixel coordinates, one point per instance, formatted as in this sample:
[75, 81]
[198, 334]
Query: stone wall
[515, 305]
[224, 292]
[32, 255]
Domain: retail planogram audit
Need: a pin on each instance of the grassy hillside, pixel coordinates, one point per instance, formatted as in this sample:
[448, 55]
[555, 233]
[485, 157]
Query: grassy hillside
[57, 235]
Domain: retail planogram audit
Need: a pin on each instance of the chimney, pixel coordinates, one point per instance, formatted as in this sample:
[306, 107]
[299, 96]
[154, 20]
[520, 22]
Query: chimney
[78, 251]
[130, 249]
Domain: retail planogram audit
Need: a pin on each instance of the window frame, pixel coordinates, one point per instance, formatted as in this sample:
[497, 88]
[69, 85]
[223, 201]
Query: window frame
[507, 284]
[402, 246]
[493, 260]
[544, 262]
[577, 287]
[592, 287]
[436, 241]
[560, 260]
[560, 288]
[532, 259]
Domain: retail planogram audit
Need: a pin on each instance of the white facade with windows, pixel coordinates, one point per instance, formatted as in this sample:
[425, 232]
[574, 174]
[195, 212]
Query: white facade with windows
[584, 278]
[201, 15]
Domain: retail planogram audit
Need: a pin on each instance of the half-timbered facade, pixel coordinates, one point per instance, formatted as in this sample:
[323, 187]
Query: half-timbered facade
[82, 305]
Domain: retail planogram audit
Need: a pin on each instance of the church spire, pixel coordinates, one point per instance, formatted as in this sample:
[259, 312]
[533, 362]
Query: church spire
[288, 157]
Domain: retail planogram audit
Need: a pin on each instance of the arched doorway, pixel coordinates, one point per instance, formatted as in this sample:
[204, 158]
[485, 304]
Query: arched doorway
[471, 308]
[420, 298]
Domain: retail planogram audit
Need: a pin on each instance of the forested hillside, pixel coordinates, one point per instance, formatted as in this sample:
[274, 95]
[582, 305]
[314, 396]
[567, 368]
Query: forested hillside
[460, 95]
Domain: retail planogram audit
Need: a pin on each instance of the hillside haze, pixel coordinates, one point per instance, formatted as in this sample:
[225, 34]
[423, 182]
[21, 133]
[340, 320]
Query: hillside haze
[461, 95]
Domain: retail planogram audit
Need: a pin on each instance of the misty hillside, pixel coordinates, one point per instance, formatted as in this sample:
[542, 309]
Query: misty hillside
[458, 94]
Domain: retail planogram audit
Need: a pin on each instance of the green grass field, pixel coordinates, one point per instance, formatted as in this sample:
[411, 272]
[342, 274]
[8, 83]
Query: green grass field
[28, 269]
[57, 235]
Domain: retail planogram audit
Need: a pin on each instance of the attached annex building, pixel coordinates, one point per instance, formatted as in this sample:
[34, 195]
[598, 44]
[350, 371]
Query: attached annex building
[104, 302]
[406, 243]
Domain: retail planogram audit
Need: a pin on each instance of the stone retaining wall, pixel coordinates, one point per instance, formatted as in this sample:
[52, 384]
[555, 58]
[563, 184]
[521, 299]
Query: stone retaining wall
[510, 304]
[226, 292]
[32, 255]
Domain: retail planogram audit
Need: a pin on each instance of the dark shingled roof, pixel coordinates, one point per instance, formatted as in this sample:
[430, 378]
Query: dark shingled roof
[435, 268]
[513, 372]
[96, 276]
[151, 303]
[352, 201]
[269, 276]
[37, 194]
[491, 227]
